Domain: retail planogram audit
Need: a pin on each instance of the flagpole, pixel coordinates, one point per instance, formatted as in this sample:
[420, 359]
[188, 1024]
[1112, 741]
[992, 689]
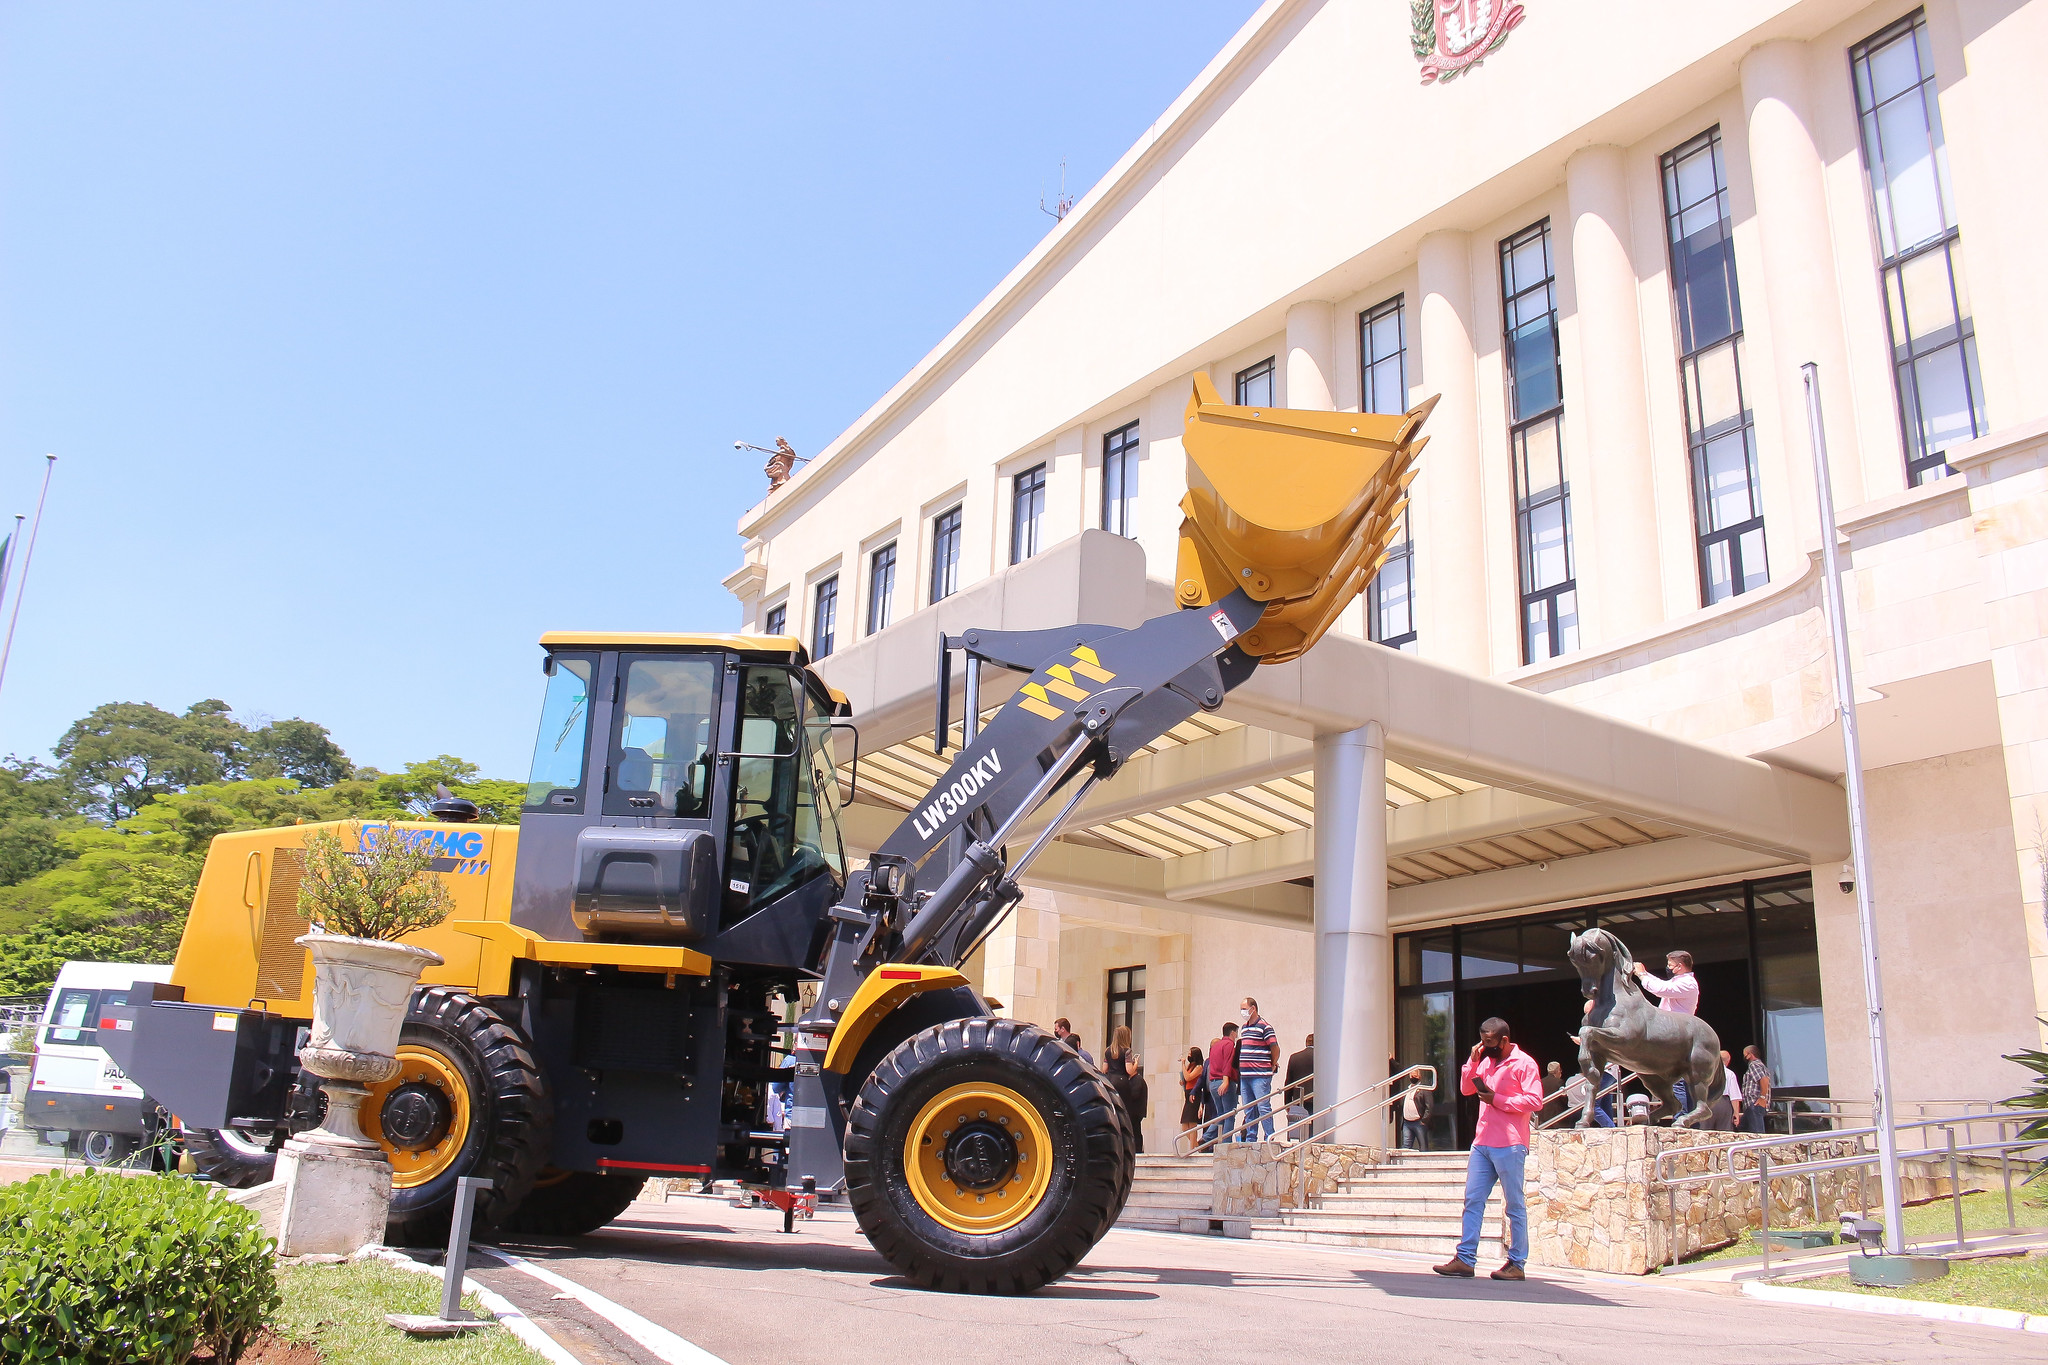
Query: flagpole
[7, 557]
[27, 558]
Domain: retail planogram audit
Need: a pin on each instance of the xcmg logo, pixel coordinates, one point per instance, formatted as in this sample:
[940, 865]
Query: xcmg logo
[461, 848]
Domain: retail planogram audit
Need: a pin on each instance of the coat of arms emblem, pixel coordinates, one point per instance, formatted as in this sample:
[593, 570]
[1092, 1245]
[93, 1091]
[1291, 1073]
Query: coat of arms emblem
[1450, 37]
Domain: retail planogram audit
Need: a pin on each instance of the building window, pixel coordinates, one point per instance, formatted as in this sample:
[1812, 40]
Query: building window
[1383, 358]
[1728, 506]
[776, 622]
[1255, 385]
[1383, 387]
[825, 618]
[1120, 481]
[1543, 517]
[1027, 512]
[881, 586]
[1126, 1007]
[945, 554]
[1390, 599]
[1927, 300]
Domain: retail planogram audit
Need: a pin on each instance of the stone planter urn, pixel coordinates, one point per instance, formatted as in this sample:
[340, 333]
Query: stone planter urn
[360, 990]
[337, 1179]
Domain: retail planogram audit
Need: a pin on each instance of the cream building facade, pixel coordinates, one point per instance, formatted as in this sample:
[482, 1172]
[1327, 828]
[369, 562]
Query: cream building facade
[1610, 246]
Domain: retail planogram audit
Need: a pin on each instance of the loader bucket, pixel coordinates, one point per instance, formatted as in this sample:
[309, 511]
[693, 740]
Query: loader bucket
[1296, 508]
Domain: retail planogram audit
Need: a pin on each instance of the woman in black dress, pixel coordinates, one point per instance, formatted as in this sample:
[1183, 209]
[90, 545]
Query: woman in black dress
[1121, 1065]
[1196, 1107]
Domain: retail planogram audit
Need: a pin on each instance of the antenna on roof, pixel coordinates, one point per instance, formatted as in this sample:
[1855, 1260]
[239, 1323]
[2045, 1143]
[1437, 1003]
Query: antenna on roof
[1061, 206]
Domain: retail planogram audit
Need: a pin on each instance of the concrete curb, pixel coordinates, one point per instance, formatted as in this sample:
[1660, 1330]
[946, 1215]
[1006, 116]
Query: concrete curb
[2007, 1318]
[663, 1344]
[500, 1307]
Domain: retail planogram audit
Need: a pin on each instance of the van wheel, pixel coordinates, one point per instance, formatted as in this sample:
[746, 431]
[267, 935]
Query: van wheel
[571, 1203]
[105, 1149]
[468, 1100]
[984, 1156]
[230, 1158]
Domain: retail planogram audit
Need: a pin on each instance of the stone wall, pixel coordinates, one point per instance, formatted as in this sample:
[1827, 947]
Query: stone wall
[1595, 1202]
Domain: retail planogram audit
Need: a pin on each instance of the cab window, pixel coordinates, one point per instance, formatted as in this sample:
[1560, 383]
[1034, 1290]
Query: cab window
[555, 782]
[661, 757]
[785, 816]
[74, 1020]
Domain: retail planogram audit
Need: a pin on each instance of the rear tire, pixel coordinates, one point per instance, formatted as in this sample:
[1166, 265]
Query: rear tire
[511, 1116]
[229, 1158]
[105, 1149]
[571, 1203]
[1013, 1197]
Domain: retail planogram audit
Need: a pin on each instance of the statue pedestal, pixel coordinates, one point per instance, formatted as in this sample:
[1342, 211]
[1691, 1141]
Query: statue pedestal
[336, 1198]
[20, 1140]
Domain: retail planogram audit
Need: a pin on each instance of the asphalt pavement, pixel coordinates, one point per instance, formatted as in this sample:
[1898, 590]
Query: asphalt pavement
[731, 1282]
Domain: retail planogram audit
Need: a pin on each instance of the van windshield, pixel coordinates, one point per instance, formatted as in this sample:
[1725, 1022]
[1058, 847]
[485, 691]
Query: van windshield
[74, 1018]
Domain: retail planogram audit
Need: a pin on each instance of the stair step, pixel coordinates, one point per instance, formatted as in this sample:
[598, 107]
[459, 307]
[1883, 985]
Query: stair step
[1427, 1244]
[1147, 1199]
[1394, 1202]
[1375, 1222]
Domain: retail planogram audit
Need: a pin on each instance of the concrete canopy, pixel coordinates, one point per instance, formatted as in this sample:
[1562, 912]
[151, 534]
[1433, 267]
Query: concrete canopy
[1496, 797]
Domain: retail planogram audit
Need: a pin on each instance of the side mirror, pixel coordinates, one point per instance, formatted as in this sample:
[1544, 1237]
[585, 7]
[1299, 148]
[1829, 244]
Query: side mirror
[547, 665]
[853, 781]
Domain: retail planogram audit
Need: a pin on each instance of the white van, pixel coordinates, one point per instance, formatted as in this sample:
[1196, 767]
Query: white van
[76, 1096]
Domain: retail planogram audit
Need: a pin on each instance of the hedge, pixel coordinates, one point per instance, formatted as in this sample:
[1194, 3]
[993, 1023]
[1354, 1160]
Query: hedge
[107, 1270]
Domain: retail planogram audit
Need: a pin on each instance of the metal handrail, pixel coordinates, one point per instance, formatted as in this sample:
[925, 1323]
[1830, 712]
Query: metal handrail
[1763, 1171]
[1276, 1100]
[1319, 1119]
[1269, 1099]
[1602, 1093]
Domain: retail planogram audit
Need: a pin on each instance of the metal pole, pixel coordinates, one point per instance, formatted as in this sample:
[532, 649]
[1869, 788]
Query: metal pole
[27, 558]
[457, 1262]
[1763, 1189]
[2005, 1174]
[7, 558]
[1859, 834]
[1955, 1186]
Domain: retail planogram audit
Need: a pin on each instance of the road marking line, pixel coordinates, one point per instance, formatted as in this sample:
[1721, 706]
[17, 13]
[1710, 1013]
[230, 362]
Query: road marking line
[500, 1307]
[2007, 1318]
[664, 1344]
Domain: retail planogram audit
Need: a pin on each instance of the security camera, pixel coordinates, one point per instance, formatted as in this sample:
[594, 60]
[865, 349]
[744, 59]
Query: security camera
[1847, 878]
[739, 445]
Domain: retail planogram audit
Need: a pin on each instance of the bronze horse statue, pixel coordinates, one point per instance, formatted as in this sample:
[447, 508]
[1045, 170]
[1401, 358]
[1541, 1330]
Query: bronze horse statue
[1624, 1027]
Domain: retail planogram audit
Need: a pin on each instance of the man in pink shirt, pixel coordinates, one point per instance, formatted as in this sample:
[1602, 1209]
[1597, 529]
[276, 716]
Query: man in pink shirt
[1678, 993]
[1509, 1089]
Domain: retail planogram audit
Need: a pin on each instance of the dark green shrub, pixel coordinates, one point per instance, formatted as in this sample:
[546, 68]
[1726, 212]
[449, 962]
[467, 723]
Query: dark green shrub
[102, 1270]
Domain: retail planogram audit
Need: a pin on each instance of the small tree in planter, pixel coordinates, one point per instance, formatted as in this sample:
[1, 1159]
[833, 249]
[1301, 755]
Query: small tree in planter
[360, 901]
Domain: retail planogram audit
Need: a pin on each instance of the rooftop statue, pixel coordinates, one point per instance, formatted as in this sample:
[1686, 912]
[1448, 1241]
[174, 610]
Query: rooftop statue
[1625, 1028]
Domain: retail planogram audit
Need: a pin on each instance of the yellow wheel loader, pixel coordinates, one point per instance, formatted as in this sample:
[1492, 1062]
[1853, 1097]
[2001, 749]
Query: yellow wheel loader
[668, 967]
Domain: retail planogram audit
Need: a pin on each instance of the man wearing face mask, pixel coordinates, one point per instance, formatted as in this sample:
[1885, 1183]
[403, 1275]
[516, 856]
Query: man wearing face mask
[1258, 1056]
[1509, 1089]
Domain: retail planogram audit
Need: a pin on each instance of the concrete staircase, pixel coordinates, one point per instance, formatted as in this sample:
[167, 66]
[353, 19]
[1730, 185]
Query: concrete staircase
[1413, 1203]
[1168, 1189]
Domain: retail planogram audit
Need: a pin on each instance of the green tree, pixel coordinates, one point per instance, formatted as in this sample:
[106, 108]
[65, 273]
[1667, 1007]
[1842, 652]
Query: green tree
[127, 753]
[300, 750]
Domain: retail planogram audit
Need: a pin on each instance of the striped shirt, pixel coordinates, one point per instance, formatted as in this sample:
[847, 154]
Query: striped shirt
[1255, 1048]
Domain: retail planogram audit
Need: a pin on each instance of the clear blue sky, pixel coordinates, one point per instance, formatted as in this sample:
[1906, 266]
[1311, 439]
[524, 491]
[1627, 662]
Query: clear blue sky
[374, 339]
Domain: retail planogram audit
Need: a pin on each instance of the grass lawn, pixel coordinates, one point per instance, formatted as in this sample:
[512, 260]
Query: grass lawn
[1983, 1212]
[2008, 1282]
[340, 1309]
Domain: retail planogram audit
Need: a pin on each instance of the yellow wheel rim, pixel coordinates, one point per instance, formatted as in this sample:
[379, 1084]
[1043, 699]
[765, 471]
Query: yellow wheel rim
[437, 1085]
[999, 1152]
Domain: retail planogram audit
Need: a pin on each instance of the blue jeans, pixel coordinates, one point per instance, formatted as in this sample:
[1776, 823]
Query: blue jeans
[1683, 1093]
[1482, 1169]
[1603, 1112]
[1225, 1095]
[1415, 1135]
[1258, 1120]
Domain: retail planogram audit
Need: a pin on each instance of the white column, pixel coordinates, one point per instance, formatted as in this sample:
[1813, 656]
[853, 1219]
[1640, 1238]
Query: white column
[1450, 582]
[1311, 356]
[1354, 956]
[1627, 594]
[1799, 285]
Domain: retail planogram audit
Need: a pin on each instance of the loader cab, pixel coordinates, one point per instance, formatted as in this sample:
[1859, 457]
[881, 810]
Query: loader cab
[681, 786]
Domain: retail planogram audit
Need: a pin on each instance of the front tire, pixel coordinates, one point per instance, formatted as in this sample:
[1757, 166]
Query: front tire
[105, 1149]
[469, 1100]
[984, 1156]
[571, 1203]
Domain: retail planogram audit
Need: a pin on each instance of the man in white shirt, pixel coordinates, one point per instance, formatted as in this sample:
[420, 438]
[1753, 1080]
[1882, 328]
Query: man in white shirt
[1679, 993]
